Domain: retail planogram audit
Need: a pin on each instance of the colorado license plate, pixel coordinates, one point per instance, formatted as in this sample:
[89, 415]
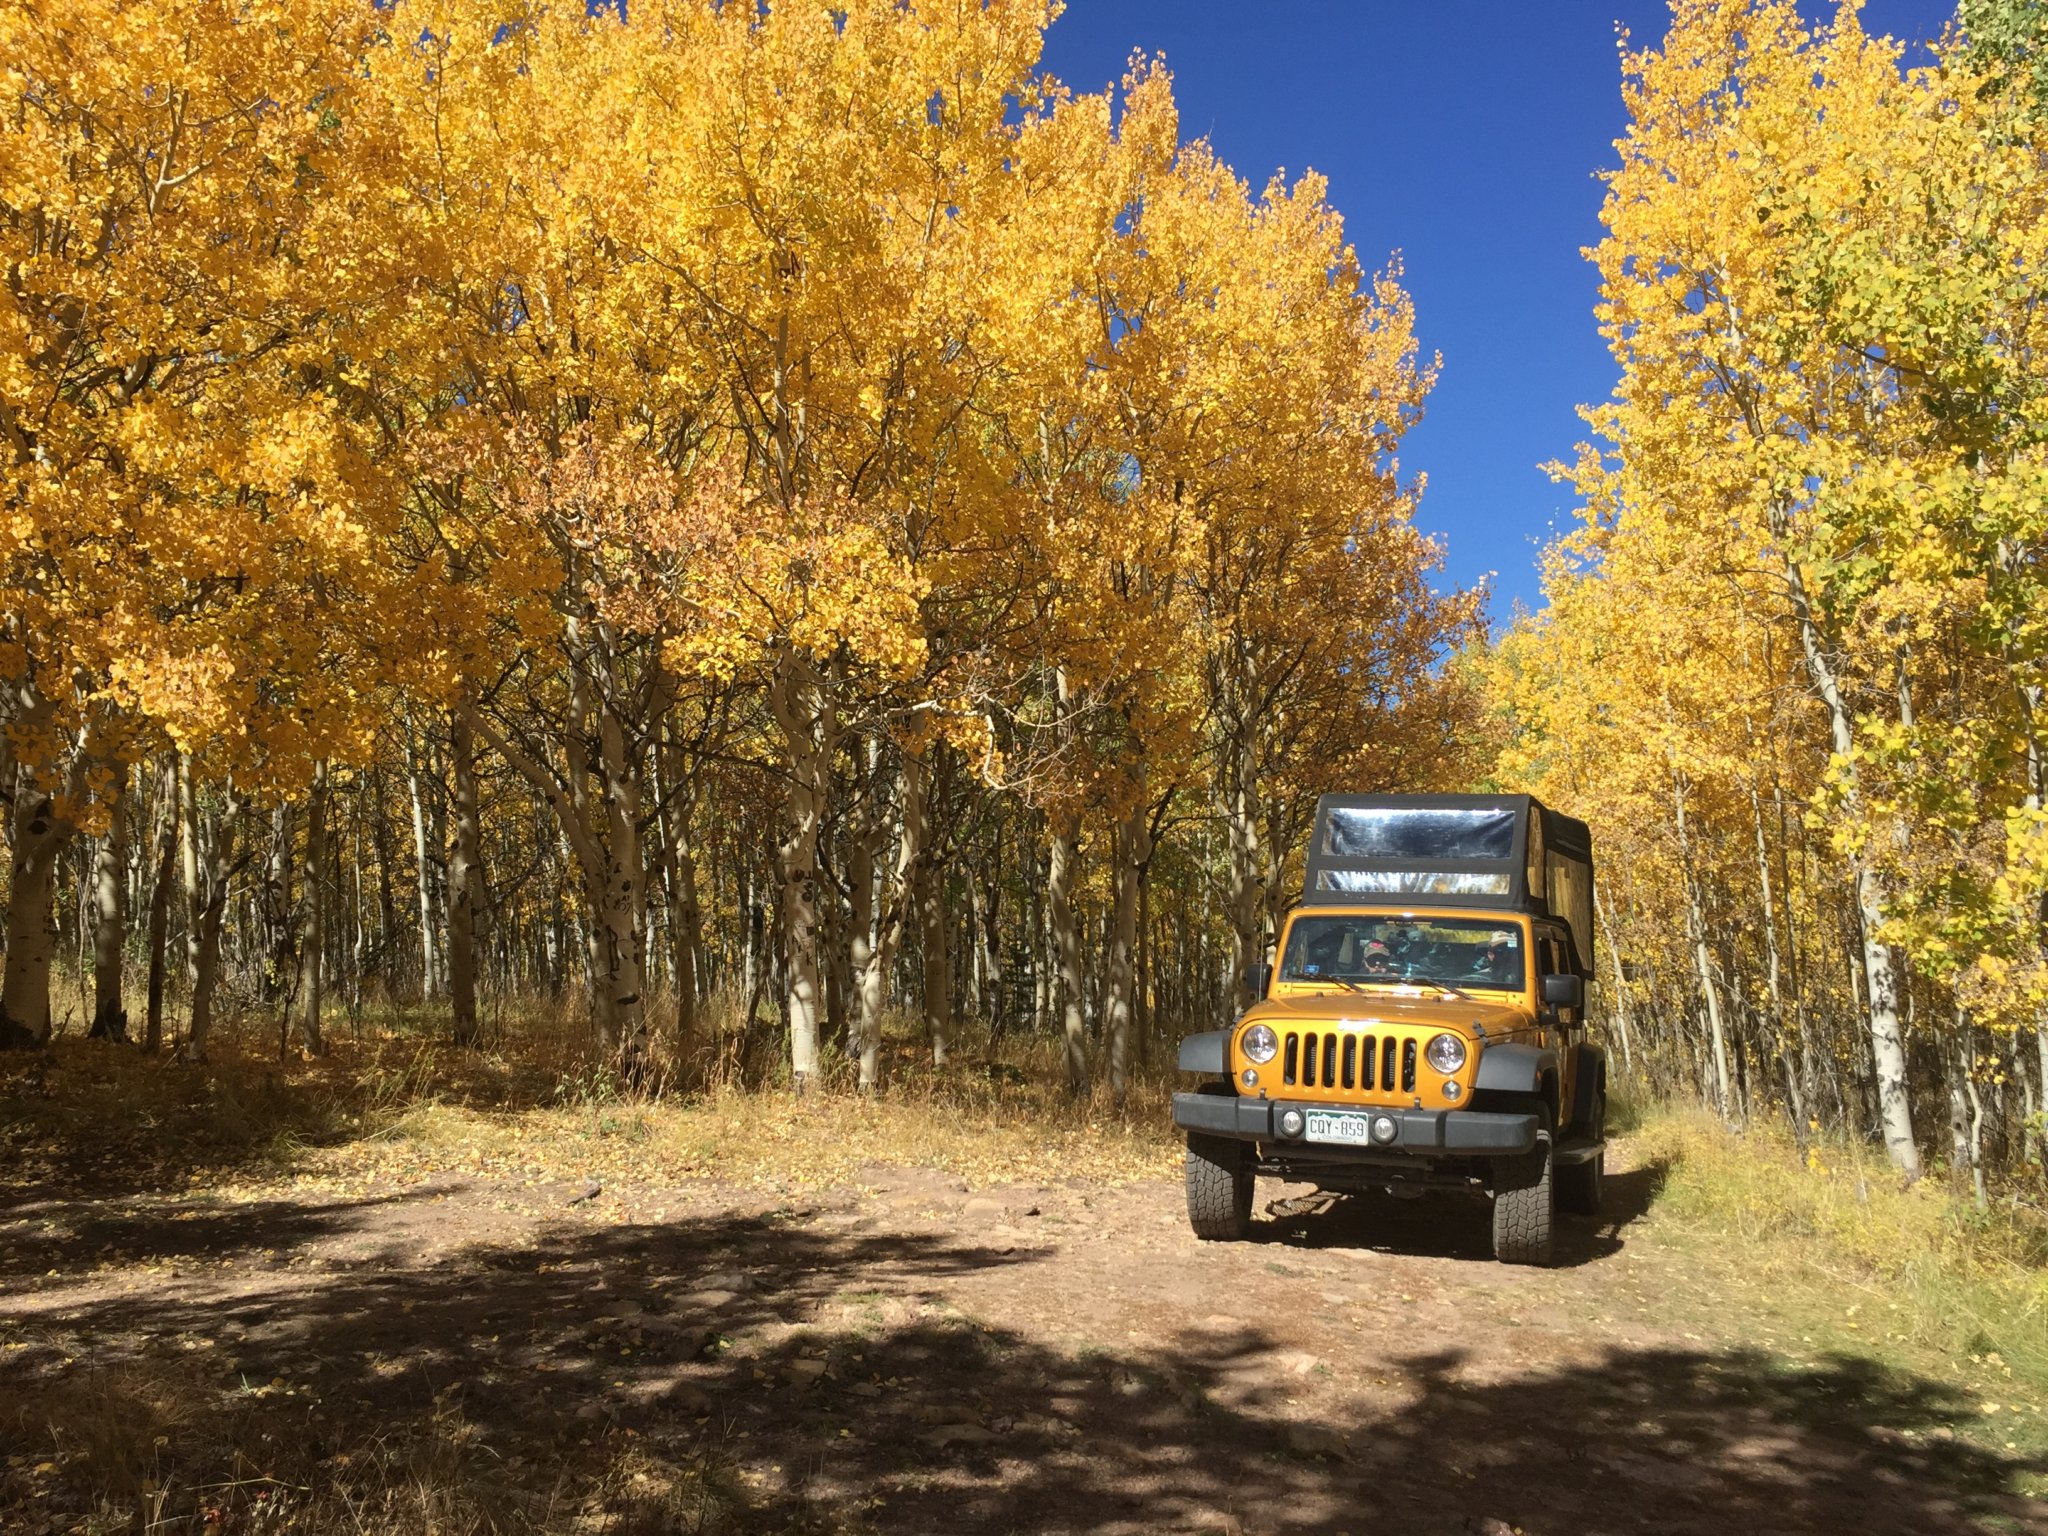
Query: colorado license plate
[1340, 1126]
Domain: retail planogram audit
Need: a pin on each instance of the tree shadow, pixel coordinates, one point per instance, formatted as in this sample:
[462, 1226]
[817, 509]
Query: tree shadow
[90, 1119]
[764, 1374]
[72, 1237]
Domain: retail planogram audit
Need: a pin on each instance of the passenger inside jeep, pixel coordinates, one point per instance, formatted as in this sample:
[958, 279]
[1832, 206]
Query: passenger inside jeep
[1366, 949]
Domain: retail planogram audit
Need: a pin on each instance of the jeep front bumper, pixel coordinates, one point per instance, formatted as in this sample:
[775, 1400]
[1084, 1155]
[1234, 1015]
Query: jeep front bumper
[1423, 1132]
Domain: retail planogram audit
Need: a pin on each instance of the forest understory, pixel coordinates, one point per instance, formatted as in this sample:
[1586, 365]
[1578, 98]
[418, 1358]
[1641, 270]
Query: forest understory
[414, 1288]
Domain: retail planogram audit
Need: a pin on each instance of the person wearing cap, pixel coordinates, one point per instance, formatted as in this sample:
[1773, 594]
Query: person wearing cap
[1496, 962]
[1377, 959]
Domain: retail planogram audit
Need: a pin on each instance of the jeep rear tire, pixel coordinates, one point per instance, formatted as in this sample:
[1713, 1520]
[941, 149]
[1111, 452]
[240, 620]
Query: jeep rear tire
[1578, 1184]
[1524, 1196]
[1219, 1188]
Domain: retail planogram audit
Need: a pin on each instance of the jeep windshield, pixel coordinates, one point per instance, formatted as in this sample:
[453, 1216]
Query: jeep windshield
[1362, 950]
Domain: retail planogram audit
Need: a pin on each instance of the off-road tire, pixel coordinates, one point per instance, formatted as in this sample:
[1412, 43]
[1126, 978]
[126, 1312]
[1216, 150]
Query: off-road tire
[1220, 1179]
[1524, 1196]
[1578, 1184]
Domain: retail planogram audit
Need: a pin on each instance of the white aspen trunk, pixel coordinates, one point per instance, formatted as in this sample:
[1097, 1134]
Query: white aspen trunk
[276, 900]
[160, 910]
[1274, 840]
[1975, 1147]
[2029, 698]
[2029, 1101]
[976, 973]
[188, 858]
[935, 951]
[1795, 1100]
[1958, 1109]
[1130, 847]
[891, 916]
[1966, 1107]
[989, 942]
[836, 959]
[1621, 1023]
[685, 918]
[1141, 988]
[1247, 862]
[599, 834]
[205, 971]
[309, 994]
[359, 943]
[465, 881]
[804, 717]
[1887, 1039]
[622, 889]
[1696, 925]
[935, 930]
[110, 918]
[750, 937]
[1717, 1028]
[1763, 874]
[210, 873]
[382, 843]
[430, 960]
[860, 936]
[1040, 945]
[1066, 946]
[596, 996]
[39, 838]
[2041, 1062]
[687, 939]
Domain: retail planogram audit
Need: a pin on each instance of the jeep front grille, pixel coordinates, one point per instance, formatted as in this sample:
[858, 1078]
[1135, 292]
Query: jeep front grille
[1347, 1062]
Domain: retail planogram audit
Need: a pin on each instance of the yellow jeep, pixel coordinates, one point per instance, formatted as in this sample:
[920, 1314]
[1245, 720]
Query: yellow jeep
[1424, 1027]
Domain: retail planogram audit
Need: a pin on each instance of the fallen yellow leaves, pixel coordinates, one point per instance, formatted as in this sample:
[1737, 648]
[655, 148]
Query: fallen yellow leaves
[767, 1141]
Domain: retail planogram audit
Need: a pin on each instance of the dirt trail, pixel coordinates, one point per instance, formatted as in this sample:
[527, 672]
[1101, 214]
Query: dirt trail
[909, 1355]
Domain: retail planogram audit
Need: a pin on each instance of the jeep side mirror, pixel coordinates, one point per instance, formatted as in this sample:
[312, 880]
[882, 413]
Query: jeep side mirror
[1565, 991]
[1259, 978]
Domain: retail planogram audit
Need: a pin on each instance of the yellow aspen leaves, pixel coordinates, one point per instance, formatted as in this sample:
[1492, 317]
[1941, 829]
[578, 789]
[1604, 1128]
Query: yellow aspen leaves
[1791, 662]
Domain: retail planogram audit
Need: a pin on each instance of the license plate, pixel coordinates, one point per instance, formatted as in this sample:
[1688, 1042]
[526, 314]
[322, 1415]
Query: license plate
[1340, 1125]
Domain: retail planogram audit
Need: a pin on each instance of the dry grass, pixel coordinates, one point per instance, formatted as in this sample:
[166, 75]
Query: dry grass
[1917, 1264]
[392, 1096]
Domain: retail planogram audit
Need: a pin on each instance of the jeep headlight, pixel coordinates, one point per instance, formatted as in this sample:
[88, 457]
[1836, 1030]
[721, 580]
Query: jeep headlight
[1446, 1053]
[1260, 1044]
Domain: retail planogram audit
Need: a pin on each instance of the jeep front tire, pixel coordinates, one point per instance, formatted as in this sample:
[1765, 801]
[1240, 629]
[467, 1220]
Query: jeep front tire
[1525, 1197]
[1219, 1188]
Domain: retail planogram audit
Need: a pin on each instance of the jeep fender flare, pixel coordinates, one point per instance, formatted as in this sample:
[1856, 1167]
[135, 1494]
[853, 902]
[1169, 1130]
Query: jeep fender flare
[1515, 1069]
[1208, 1053]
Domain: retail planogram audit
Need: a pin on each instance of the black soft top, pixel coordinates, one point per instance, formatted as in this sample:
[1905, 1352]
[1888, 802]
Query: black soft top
[1493, 852]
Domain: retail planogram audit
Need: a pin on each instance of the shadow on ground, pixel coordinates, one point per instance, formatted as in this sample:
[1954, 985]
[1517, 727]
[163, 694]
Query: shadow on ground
[1443, 1225]
[764, 1374]
[91, 1118]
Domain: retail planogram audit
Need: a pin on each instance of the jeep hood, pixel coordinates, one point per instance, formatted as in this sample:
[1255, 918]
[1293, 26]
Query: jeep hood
[1427, 1008]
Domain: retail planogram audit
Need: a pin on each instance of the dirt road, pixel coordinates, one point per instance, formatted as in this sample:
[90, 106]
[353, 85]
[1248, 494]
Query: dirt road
[905, 1354]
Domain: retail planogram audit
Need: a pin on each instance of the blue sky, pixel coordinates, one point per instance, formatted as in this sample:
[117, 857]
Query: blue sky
[1465, 136]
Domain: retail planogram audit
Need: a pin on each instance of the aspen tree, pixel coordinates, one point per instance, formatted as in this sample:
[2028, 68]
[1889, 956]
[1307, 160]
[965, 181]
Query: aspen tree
[180, 487]
[110, 915]
[1811, 530]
